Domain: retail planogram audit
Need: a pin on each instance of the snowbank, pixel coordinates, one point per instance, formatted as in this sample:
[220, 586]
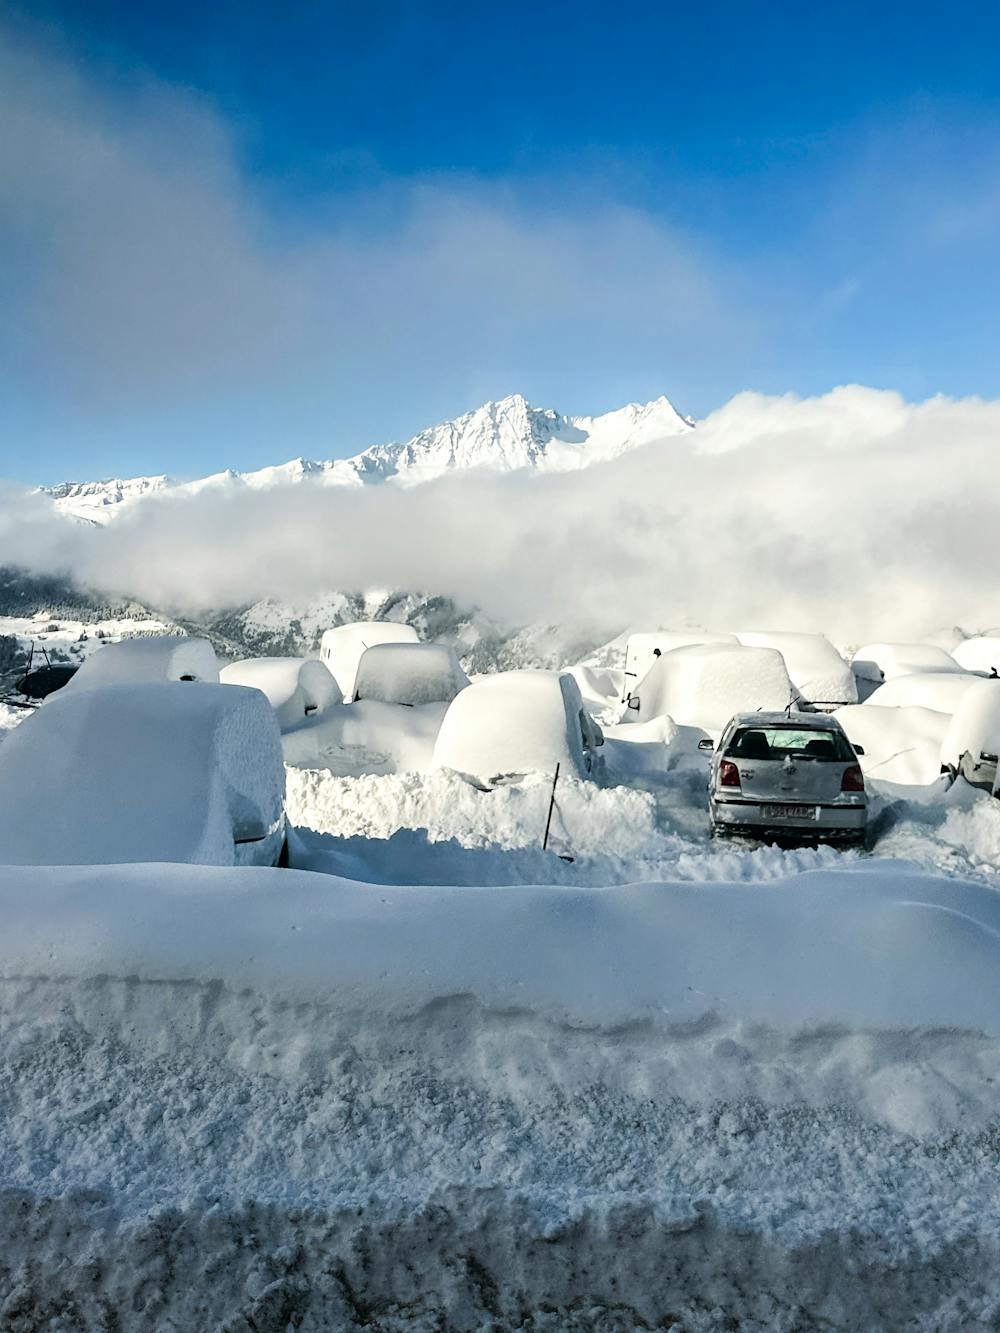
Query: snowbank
[151, 658]
[939, 690]
[980, 653]
[705, 685]
[341, 648]
[409, 673]
[901, 744]
[516, 722]
[295, 687]
[885, 661]
[818, 672]
[260, 1099]
[162, 772]
[874, 946]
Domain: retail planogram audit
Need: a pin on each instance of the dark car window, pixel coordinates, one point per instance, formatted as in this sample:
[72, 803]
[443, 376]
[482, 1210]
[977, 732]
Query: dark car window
[798, 742]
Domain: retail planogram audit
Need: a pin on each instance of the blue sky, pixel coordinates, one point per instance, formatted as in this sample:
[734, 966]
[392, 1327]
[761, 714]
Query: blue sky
[233, 233]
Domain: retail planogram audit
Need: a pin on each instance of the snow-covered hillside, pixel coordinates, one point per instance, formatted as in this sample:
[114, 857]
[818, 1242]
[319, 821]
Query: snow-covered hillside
[504, 436]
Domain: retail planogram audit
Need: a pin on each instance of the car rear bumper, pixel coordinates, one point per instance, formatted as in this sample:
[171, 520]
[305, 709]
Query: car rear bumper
[830, 822]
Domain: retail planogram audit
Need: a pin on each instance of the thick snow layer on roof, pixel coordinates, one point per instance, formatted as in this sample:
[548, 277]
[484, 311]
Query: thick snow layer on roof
[901, 745]
[149, 772]
[341, 648]
[150, 658]
[514, 722]
[817, 670]
[975, 725]
[981, 653]
[886, 661]
[641, 648]
[292, 685]
[705, 685]
[368, 736]
[940, 690]
[409, 673]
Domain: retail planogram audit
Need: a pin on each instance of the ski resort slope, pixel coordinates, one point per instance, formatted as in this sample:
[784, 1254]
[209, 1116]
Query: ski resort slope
[263, 1099]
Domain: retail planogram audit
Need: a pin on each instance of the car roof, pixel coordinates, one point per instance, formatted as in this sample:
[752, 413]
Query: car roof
[801, 721]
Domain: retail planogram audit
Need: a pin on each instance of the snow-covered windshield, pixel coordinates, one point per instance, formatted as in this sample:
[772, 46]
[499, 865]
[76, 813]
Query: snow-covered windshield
[777, 742]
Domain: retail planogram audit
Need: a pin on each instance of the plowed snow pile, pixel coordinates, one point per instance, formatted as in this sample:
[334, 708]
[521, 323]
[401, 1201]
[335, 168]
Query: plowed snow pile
[262, 1100]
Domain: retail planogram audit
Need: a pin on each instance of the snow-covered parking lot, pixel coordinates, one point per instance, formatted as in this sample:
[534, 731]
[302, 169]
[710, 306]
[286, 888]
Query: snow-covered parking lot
[635, 1078]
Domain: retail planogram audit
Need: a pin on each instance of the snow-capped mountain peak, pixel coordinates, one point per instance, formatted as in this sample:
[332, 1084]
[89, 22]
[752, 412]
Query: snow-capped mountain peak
[505, 436]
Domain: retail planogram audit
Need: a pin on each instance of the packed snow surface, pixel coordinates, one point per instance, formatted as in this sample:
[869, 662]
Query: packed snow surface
[295, 687]
[409, 673]
[172, 771]
[154, 657]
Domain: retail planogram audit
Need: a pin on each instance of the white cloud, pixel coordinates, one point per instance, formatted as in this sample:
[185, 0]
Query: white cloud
[854, 512]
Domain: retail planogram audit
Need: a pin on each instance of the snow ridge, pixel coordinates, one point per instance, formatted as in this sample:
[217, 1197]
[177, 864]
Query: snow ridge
[503, 436]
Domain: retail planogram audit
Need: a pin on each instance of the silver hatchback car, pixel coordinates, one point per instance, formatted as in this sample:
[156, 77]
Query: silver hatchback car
[788, 776]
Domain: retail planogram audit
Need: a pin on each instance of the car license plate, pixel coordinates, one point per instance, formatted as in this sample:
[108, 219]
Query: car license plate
[789, 812]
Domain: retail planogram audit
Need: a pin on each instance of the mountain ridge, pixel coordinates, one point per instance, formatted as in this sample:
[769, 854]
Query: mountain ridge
[506, 435]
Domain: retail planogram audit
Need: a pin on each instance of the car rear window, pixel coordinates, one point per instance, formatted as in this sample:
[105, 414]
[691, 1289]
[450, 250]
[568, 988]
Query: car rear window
[802, 743]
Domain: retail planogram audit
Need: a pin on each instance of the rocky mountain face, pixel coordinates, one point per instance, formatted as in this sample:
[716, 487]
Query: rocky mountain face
[504, 436]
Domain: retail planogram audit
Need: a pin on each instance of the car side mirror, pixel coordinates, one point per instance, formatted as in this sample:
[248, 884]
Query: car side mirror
[859, 749]
[633, 702]
[706, 744]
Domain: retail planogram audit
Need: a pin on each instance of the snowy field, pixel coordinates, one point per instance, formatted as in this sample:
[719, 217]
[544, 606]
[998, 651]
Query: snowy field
[638, 1079]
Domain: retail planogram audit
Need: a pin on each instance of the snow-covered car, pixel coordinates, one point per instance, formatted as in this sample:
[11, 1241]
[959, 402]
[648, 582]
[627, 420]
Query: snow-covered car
[875, 663]
[822, 678]
[167, 771]
[341, 648]
[296, 687]
[152, 657]
[972, 742]
[409, 673]
[705, 684]
[787, 776]
[980, 653]
[642, 650]
[517, 722]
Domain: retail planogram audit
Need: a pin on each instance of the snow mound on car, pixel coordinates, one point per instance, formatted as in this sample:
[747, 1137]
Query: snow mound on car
[291, 685]
[409, 673]
[150, 658]
[705, 685]
[131, 773]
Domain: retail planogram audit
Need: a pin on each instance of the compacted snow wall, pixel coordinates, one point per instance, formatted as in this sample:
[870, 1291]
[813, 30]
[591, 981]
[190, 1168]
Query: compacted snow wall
[261, 1100]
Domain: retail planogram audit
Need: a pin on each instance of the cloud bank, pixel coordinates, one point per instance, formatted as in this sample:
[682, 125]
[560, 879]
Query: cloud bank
[855, 513]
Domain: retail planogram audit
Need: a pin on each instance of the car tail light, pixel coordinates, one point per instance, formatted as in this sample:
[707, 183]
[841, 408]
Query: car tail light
[729, 774]
[853, 779]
